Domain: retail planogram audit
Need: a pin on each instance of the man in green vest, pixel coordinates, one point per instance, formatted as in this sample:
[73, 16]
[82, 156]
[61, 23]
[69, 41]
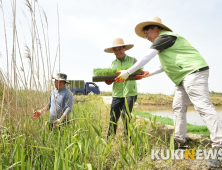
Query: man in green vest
[184, 65]
[121, 90]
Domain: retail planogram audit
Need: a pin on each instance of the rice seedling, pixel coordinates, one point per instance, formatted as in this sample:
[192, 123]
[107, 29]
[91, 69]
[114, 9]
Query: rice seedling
[110, 71]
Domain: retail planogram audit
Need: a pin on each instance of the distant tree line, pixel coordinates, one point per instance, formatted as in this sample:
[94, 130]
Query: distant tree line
[213, 92]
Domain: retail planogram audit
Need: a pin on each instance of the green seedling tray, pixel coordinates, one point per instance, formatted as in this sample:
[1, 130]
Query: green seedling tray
[112, 77]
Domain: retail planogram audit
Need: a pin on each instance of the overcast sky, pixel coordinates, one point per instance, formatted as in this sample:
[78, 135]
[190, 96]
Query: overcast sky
[87, 27]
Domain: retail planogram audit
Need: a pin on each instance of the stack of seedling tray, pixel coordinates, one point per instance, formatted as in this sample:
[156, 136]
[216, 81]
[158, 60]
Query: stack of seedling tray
[100, 74]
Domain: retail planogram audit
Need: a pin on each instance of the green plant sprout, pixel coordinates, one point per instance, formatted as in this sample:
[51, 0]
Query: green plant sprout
[110, 71]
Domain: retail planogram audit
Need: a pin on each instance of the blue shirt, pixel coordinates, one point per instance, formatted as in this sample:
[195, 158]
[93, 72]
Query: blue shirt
[61, 102]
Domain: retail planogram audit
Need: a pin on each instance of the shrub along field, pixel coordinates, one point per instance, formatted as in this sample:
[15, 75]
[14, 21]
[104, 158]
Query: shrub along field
[162, 99]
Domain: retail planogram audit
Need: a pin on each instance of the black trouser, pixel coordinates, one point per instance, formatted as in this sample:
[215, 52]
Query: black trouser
[118, 106]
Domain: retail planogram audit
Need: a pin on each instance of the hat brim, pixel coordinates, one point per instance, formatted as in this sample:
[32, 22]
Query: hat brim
[60, 79]
[140, 26]
[127, 47]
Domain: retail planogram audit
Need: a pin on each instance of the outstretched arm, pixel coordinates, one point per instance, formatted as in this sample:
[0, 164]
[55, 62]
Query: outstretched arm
[156, 71]
[143, 60]
[37, 113]
[139, 64]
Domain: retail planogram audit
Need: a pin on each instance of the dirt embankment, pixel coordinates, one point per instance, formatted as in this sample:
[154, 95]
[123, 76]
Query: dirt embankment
[161, 99]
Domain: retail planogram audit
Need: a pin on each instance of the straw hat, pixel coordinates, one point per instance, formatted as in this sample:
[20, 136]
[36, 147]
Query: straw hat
[153, 21]
[118, 42]
[61, 77]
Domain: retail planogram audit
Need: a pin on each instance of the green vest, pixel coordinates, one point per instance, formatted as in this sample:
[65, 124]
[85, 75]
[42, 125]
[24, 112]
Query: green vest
[181, 59]
[127, 88]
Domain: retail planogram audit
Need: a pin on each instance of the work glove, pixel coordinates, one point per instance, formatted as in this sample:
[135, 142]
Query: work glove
[144, 75]
[36, 114]
[108, 82]
[122, 77]
[59, 121]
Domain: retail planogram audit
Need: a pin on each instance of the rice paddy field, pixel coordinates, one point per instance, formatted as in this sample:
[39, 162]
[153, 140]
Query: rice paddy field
[82, 144]
[195, 129]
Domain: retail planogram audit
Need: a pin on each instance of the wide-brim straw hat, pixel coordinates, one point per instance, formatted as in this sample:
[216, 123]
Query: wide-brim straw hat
[153, 21]
[118, 42]
[61, 77]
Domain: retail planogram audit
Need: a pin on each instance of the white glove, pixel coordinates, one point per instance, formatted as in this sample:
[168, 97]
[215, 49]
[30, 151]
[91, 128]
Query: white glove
[123, 76]
[58, 121]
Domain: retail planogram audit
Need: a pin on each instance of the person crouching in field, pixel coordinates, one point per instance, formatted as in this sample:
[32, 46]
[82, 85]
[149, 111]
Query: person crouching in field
[60, 103]
[126, 89]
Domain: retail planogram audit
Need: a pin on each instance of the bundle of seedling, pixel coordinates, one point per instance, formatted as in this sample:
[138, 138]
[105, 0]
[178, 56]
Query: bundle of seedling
[103, 74]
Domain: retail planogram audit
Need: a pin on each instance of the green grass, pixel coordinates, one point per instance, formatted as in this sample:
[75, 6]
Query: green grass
[81, 144]
[190, 128]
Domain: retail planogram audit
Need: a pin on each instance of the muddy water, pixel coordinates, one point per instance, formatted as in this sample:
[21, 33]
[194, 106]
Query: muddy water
[193, 116]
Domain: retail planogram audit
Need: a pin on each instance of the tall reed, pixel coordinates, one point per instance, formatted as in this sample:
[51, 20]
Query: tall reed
[24, 89]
